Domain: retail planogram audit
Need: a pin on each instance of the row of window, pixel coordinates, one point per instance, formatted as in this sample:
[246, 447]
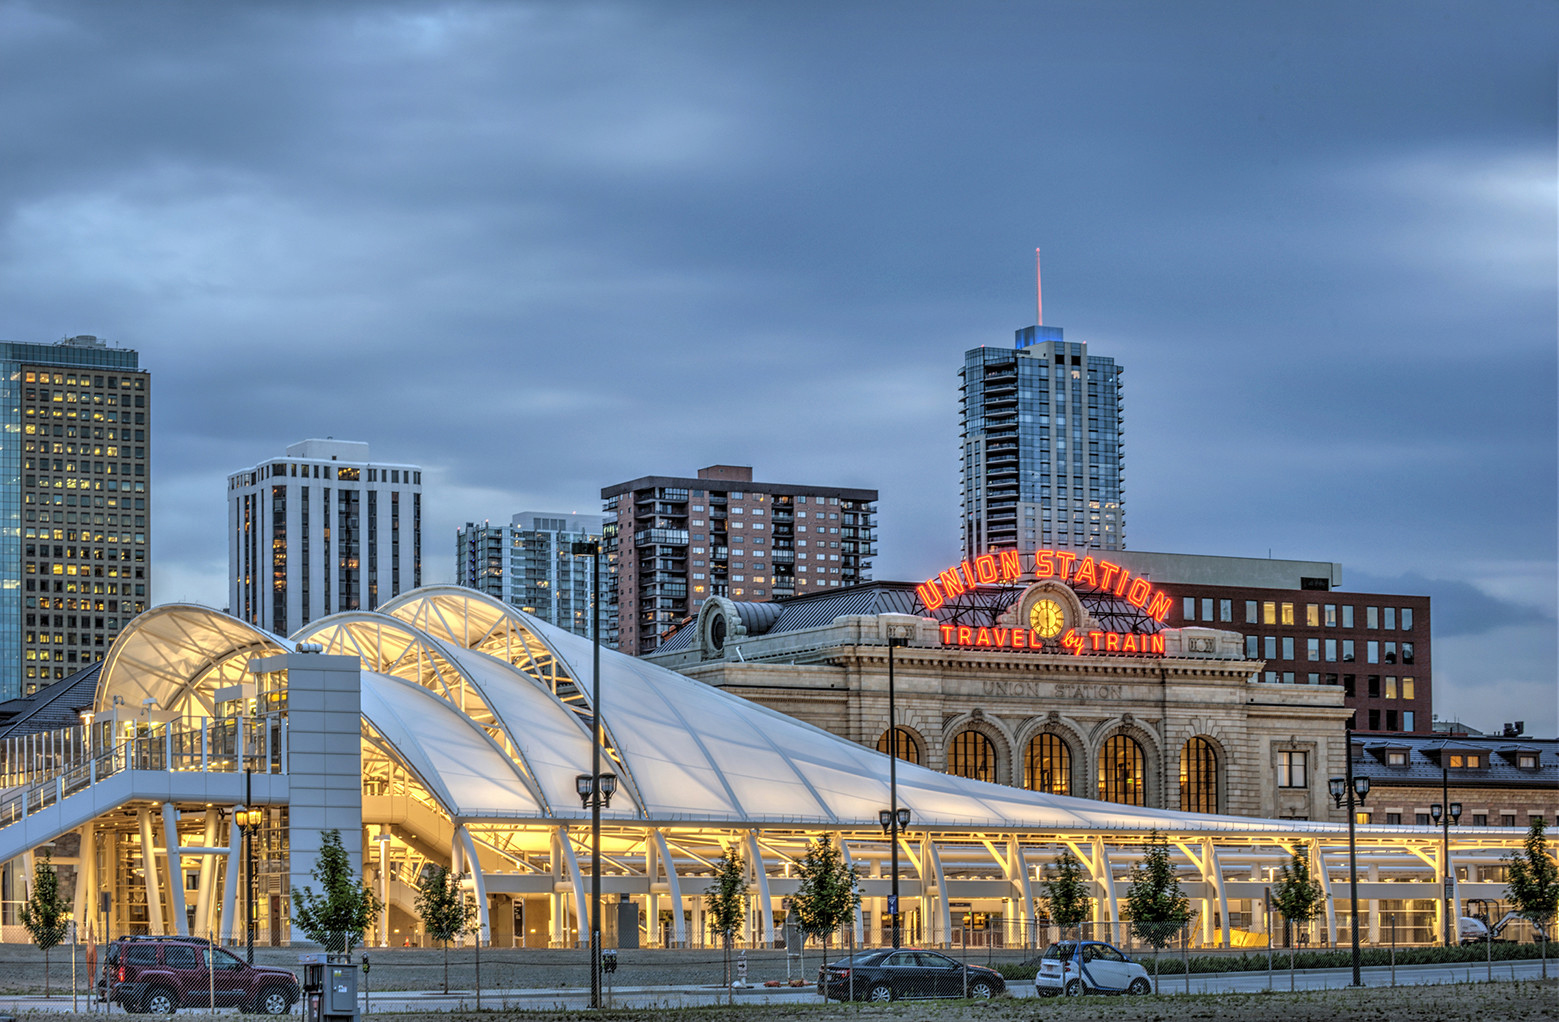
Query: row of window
[1317, 615]
[1120, 773]
[1284, 647]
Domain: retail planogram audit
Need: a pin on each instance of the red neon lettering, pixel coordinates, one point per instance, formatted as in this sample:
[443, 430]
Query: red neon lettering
[947, 633]
[1066, 558]
[1019, 638]
[1159, 608]
[1107, 573]
[1112, 642]
[1129, 643]
[1157, 644]
[1011, 565]
[1044, 563]
[985, 567]
[952, 583]
[930, 595]
[1072, 641]
[1094, 638]
[1120, 587]
[1139, 592]
[1001, 635]
[968, 570]
[1085, 573]
[965, 635]
[983, 637]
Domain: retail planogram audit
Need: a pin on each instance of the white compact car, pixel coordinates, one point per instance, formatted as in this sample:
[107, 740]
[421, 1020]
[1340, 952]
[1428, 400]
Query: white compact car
[1088, 967]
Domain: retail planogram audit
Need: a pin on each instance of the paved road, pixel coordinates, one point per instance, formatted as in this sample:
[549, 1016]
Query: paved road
[684, 996]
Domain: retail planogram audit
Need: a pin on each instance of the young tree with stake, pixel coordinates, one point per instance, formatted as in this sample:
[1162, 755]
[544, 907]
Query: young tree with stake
[445, 910]
[827, 893]
[1299, 897]
[1066, 892]
[1532, 882]
[726, 900]
[335, 920]
[1154, 903]
[46, 912]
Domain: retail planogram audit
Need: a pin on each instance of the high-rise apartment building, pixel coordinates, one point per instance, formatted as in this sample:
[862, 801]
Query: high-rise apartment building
[75, 505]
[1042, 453]
[673, 542]
[322, 530]
[530, 563]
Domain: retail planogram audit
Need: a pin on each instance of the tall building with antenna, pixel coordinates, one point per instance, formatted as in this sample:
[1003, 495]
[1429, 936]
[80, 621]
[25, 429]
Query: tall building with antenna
[1042, 463]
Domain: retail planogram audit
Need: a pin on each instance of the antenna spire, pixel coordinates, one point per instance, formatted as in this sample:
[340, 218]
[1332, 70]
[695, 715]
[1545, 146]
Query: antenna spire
[1039, 294]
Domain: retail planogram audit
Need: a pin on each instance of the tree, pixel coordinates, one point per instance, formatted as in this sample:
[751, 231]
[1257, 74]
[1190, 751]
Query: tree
[1532, 883]
[1154, 903]
[1066, 892]
[445, 910]
[1299, 897]
[827, 893]
[46, 912]
[726, 900]
[335, 920]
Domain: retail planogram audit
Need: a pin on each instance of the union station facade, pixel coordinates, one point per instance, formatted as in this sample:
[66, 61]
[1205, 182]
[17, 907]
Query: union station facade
[450, 729]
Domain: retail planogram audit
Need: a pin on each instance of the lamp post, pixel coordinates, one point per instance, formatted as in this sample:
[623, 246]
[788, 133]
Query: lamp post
[248, 821]
[893, 819]
[1350, 791]
[595, 789]
[1446, 813]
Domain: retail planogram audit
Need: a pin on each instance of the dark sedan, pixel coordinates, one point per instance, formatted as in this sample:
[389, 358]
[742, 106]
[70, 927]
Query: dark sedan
[889, 974]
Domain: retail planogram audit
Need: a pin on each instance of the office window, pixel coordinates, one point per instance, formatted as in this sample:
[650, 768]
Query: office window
[1391, 618]
[1347, 651]
[1251, 617]
[1480, 819]
[1372, 686]
[1293, 769]
[1331, 615]
[1407, 652]
[1226, 610]
[1372, 652]
[1288, 647]
[1288, 613]
[1391, 688]
[1312, 649]
[1347, 616]
[1393, 818]
[1189, 611]
[1371, 617]
[1349, 685]
[1269, 613]
[1407, 619]
[1391, 652]
[1252, 650]
[1407, 720]
[1313, 679]
[1207, 608]
[1271, 644]
[1391, 720]
[1331, 651]
[1407, 688]
[1374, 720]
[1312, 615]
[1422, 819]
[1288, 677]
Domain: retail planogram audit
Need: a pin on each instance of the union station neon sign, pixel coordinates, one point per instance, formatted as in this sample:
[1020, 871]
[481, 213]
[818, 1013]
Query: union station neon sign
[1051, 624]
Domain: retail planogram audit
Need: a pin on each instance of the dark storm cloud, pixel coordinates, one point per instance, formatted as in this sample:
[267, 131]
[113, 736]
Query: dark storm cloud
[540, 248]
[1458, 607]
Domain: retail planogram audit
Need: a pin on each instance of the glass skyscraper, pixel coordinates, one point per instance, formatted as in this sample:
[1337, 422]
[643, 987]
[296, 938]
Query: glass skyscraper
[74, 505]
[1042, 459]
[530, 563]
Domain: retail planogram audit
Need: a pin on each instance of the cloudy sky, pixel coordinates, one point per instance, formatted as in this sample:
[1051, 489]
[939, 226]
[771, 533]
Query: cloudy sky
[539, 248]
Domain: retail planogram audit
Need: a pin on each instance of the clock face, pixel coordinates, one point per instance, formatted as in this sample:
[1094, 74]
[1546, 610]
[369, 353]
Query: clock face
[1047, 618]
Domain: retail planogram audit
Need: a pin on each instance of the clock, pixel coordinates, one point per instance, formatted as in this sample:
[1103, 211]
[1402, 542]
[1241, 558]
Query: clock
[1047, 618]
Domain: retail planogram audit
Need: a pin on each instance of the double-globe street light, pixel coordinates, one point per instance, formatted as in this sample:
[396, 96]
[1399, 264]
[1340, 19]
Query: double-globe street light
[893, 819]
[1350, 791]
[1446, 813]
[595, 788]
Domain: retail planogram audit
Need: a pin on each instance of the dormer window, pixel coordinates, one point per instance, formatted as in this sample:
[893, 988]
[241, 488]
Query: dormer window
[1526, 760]
[1465, 760]
[1396, 758]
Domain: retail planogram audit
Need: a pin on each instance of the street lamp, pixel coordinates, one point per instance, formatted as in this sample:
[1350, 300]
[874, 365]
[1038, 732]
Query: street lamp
[1350, 791]
[895, 818]
[1445, 819]
[249, 821]
[594, 789]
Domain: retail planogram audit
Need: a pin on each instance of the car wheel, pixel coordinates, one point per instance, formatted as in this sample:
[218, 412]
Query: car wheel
[880, 992]
[1139, 986]
[160, 1001]
[981, 990]
[274, 1001]
[1074, 988]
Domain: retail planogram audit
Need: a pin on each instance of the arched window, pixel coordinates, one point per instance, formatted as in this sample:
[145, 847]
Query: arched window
[1122, 772]
[908, 750]
[972, 755]
[1048, 765]
[1199, 777]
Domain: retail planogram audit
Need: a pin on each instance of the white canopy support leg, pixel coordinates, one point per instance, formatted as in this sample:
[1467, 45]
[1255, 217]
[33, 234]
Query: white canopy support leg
[1018, 871]
[765, 931]
[149, 871]
[170, 842]
[1105, 874]
[1214, 867]
[933, 869]
[207, 883]
[230, 883]
[1319, 870]
[651, 898]
[860, 924]
[84, 904]
[678, 923]
[473, 862]
[565, 845]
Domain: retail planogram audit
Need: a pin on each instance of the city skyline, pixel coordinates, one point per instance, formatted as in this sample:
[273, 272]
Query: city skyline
[680, 235]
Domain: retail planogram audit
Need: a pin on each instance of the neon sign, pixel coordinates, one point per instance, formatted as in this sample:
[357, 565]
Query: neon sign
[1072, 640]
[1065, 565]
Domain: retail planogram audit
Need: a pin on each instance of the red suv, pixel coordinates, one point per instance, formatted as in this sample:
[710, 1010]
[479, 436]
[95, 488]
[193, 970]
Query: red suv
[159, 975]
